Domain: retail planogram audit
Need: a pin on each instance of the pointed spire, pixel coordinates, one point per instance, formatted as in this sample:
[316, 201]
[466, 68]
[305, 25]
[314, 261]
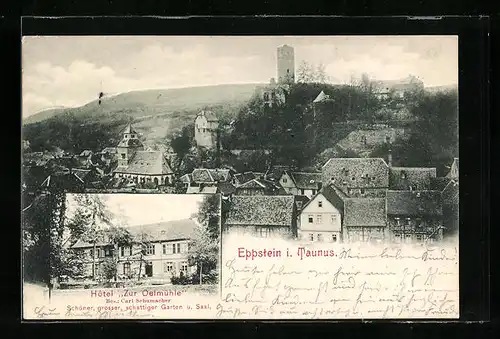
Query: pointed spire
[129, 129]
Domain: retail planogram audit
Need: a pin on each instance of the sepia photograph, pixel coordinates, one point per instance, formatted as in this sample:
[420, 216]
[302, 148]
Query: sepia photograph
[275, 177]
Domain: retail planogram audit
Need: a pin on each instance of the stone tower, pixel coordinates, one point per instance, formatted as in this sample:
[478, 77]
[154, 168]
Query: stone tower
[127, 147]
[206, 125]
[286, 65]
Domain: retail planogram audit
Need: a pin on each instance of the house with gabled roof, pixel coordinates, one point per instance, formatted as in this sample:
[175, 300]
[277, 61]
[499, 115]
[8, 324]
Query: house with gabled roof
[415, 216]
[301, 183]
[259, 186]
[411, 178]
[332, 216]
[365, 220]
[241, 178]
[357, 177]
[158, 250]
[320, 218]
[262, 216]
[206, 180]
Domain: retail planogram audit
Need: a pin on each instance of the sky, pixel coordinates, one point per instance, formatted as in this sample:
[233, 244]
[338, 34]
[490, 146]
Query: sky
[143, 209]
[70, 71]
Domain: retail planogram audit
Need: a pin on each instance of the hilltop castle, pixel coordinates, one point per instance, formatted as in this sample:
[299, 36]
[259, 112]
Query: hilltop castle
[275, 93]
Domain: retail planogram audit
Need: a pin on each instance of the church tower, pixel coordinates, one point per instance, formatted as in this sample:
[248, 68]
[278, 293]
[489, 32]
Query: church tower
[286, 65]
[129, 144]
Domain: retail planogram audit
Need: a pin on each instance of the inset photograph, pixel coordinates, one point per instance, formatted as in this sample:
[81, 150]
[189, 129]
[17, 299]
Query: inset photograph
[110, 243]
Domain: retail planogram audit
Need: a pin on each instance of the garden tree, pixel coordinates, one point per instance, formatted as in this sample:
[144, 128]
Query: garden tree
[434, 138]
[89, 220]
[203, 251]
[182, 143]
[209, 214]
[109, 269]
[321, 76]
[305, 72]
[139, 249]
[116, 237]
[43, 227]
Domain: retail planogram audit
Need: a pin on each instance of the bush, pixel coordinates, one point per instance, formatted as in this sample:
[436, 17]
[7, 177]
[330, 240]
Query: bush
[181, 280]
[211, 277]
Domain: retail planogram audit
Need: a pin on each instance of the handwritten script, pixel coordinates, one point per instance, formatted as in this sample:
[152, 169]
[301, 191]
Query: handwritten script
[361, 281]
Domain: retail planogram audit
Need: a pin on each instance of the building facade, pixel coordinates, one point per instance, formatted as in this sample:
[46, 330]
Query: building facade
[365, 220]
[357, 177]
[301, 183]
[262, 216]
[206, 125]
[415, 216]
[159, 251]
[321, 218]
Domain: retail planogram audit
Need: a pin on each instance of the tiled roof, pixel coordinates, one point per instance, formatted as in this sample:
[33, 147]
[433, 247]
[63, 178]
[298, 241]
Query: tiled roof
[201, 175]
[364, 212]
[201, 189]
[439, 183]
[305, 180]
[254, 183]
[242, 178]
[450, 193]
[400, 178]
[265, 210]
[111, 150]
[131, 142]
[81, 173]
[275, 172]
[162, 231]
[220, 175]
[209, 115]
[63, 181]
[356, 172]
[332, 195]
[321, 97]
[225, 188]
[414, 203]
[186, 178]
[146, 162]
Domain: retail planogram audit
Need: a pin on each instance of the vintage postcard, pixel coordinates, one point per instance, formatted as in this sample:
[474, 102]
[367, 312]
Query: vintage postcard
[240, 177]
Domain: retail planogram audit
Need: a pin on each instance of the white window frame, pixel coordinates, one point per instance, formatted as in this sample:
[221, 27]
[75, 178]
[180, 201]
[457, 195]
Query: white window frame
[150, 249]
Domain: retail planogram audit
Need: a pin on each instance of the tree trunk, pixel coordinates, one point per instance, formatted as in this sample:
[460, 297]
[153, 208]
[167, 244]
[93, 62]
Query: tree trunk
[93, 261]
[201, 271]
